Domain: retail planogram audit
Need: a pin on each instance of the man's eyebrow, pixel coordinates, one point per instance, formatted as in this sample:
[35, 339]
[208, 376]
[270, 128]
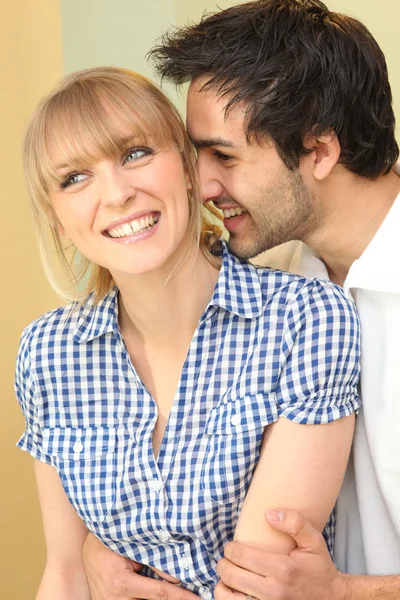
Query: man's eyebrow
[208, 143]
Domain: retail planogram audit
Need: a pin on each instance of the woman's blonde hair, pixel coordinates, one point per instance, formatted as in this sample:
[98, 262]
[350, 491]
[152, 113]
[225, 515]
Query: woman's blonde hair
[73, 123]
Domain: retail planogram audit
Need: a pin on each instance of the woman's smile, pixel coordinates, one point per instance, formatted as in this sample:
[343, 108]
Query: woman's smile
[133, 229]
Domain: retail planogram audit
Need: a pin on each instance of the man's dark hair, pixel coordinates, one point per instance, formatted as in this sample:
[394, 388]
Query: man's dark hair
[300, 69]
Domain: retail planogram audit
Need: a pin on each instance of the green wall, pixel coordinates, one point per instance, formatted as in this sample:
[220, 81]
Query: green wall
[121, 32]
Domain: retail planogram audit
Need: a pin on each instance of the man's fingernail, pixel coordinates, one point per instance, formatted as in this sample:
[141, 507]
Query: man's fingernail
[276, 515]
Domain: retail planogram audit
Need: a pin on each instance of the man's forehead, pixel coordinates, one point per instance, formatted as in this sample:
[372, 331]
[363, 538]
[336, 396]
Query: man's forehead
[206, 97]
[207, 118]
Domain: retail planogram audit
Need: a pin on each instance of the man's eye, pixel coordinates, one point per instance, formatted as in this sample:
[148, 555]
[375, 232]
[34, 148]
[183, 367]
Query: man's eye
[222, 156]
[135, 153]
[71, 179]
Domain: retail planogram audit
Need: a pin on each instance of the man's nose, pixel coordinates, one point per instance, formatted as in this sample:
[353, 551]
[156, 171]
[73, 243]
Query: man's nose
[211, 187]
[116, 186]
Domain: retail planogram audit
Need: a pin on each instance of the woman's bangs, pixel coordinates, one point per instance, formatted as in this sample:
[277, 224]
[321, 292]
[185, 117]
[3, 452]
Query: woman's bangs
[84, 126]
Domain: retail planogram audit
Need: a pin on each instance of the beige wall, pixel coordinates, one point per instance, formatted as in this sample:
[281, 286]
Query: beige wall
[94, 32]
[30, 63]
[382, 19]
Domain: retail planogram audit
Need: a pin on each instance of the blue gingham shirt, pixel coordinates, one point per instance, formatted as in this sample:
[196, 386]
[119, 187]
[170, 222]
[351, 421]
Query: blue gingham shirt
[269, 344]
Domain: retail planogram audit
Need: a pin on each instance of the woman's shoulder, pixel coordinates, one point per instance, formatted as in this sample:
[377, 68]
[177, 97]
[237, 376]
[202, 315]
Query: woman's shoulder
[305, 295]
[60, 327]
[41, 333]
[65, 316]
[282, 291]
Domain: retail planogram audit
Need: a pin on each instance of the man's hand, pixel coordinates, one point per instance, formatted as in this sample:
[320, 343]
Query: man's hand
[307, 573]
[113, 577]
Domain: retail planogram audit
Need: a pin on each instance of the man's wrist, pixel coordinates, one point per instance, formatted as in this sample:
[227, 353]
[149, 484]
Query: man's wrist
[343, 587]
[366, 587]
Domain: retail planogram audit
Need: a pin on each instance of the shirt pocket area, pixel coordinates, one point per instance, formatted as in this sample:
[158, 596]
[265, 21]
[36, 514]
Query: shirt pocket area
[234, 431]
[86, 463]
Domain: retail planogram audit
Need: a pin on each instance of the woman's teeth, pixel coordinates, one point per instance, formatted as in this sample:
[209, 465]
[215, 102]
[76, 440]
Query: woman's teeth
[134, 227]
[232, 212]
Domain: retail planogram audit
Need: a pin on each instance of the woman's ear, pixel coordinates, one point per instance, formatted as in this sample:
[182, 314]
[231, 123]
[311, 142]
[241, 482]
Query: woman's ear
[61, 231]
[325, 154]
[188, 180]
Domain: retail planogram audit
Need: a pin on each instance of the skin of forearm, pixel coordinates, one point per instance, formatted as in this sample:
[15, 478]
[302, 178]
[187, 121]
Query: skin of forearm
[63, 585]
[363, 587]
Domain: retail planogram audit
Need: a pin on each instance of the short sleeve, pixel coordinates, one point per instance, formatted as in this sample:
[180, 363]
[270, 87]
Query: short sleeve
[321, 348]
[25, 389]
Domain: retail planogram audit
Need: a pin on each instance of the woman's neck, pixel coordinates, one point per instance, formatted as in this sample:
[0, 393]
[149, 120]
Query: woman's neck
[159, 307]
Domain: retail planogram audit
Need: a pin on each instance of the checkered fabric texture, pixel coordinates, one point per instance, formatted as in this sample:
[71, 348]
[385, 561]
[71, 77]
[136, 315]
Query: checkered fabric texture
[268, 345]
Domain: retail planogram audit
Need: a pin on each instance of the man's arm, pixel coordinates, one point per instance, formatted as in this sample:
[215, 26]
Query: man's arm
[307, 573]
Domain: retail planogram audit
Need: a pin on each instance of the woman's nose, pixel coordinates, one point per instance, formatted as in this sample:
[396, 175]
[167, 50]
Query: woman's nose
[116, 186]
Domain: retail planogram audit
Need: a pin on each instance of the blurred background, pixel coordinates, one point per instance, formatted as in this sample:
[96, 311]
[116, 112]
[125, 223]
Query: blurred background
[40, 42]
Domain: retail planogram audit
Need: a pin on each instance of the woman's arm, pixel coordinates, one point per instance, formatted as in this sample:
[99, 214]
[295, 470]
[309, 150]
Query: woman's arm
[305, 452]
[64, 531]
[300, 467]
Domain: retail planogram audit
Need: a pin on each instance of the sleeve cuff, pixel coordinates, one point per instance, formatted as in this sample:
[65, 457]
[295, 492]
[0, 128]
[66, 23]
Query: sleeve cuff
[28, 443]
[322, 407]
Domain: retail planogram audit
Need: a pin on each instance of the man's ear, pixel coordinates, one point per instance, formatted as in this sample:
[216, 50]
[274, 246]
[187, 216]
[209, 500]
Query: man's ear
[325, 154]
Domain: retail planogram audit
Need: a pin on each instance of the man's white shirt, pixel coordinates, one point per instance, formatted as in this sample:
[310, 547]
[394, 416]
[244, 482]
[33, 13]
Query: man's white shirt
[368, 517]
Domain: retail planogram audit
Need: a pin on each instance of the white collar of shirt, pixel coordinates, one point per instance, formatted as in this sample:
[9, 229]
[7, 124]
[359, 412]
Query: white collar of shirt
[378, 268]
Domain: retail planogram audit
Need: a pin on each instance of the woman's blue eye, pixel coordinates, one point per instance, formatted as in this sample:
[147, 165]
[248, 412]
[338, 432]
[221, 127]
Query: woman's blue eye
[136, 153]
[71, 179]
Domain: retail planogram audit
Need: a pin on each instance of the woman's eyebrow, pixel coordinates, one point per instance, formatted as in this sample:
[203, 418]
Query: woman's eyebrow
[131, 140]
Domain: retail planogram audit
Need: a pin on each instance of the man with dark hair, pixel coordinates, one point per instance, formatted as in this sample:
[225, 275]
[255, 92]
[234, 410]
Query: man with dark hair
[289, 107]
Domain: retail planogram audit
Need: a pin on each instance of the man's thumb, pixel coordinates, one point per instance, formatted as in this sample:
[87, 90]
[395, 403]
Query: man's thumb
[296, 525]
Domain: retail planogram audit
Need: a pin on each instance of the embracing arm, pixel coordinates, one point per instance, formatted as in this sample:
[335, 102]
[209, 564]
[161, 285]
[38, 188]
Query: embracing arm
[63, 577]
[370, 588]
[308, 573]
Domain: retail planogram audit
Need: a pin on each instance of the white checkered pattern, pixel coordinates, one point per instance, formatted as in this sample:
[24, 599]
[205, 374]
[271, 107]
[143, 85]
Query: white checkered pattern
[268, 345]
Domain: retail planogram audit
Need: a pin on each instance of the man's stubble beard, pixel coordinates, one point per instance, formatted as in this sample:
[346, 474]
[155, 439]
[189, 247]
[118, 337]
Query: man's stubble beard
[286, 211]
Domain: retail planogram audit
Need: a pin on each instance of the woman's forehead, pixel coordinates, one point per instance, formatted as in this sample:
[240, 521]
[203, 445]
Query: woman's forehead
[81, 144]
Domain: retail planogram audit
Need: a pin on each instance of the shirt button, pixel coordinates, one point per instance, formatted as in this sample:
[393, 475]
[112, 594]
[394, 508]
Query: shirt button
[205, 594]
[77, 447]
[235, 420]
[185, 562]
[163, 535]
[156, 485]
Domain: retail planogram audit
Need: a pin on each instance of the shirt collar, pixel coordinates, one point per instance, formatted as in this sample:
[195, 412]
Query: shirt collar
[97, 320]
[378, 268]
[238, 288]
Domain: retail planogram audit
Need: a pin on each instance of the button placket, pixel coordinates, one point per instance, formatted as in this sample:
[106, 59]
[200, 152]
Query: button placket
[77, 447]
[185, 561]
[156, 485]
[205, 594]
[163, 535]
[235, 419]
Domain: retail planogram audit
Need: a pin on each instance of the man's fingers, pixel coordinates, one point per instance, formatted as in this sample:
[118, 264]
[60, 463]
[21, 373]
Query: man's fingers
[241, 580]
[296, 525]
[135, 565]
[252, 559]
[223, 592]
[137, 586]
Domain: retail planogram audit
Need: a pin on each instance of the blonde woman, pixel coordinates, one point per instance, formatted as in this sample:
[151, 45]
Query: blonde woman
[150, 399]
